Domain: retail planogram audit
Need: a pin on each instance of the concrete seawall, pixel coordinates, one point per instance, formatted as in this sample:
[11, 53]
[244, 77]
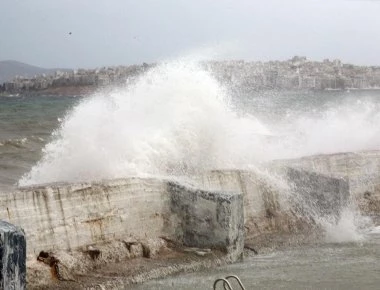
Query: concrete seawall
[70, 216]
[284, 200]
[125, 218]
[222, 210]
[66, 217]
[362, 169]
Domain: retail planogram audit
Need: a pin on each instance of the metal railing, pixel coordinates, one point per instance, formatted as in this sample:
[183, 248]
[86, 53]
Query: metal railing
[227, 284]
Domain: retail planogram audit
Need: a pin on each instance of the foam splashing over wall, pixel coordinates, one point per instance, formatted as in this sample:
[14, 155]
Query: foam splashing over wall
[349, 227]
[175, 120]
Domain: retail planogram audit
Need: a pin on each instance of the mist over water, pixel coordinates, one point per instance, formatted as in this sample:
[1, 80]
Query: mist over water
[178, 120]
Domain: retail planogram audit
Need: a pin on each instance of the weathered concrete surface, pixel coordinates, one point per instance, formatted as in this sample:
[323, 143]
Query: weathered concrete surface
[12, 257]
[361, 168]
[119, 275]
[75, 215]
[280, 202]
[208, 219]
[128, 213]
[370, 202]
[120, 216]
[261, 196]
[65, 217]
[322, 195]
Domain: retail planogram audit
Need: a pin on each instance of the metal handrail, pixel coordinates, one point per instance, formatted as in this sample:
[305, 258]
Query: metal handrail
[225, 282]
[237, 279]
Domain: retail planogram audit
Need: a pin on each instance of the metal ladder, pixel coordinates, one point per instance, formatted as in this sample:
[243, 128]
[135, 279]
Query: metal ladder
[226, 283]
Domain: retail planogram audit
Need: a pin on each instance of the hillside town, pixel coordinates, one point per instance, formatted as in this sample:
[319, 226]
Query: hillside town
[99, 77]
[298, 73]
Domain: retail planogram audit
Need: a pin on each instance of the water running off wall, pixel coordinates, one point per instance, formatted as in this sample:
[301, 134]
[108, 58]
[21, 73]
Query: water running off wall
[178, 120]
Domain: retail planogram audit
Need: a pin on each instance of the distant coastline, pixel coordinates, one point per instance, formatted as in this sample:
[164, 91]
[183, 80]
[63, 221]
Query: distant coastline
[298, 73]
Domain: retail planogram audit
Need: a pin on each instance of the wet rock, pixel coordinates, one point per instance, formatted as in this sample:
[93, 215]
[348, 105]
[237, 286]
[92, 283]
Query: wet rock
[12, 257]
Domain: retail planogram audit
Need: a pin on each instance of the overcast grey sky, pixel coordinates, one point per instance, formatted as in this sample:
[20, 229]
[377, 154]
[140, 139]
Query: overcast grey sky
[112, 32]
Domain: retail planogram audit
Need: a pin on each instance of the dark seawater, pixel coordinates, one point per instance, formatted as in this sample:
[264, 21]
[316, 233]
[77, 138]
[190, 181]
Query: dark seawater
[26, 125]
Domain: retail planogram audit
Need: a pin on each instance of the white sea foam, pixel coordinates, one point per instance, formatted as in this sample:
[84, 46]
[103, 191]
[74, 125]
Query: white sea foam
[375, 230]
[350, 126]
[174, 120]
[349, 228]
[177, 120]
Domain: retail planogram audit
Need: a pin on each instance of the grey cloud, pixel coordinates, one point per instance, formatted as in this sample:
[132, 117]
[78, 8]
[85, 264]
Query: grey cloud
[124, 32]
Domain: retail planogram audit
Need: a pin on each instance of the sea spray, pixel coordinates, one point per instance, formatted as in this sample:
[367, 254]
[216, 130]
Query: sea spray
[346, 229]
[175, 120]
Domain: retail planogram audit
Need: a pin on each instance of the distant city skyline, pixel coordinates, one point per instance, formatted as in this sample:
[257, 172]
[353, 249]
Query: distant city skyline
[95, 33]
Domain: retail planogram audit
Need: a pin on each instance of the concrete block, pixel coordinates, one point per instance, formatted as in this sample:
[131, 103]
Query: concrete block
[12, 257]
[361, 168]
[318, 194]
[208, 219]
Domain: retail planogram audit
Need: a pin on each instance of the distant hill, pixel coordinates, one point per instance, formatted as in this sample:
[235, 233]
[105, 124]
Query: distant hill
[9, 69]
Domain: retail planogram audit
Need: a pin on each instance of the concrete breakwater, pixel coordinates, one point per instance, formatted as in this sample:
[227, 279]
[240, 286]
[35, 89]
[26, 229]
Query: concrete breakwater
[136, 214]
[361, 169]
[75, 228]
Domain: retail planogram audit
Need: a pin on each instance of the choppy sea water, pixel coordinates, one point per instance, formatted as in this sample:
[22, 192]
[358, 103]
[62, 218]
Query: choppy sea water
[178, 120]
[26, 126]
[46, 139]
